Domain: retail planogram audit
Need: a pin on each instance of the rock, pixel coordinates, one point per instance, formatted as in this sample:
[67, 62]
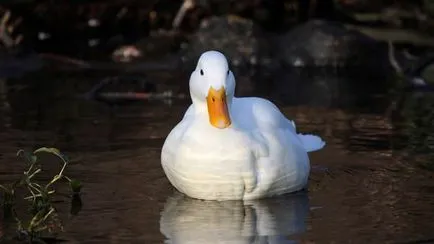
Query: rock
[239, 39]
[325, 43]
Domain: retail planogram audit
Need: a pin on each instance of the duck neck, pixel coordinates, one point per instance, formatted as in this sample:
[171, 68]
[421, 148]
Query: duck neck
[201, 108]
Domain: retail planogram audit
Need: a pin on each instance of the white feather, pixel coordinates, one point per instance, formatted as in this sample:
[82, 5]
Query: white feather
[259, 155]
[311, 142]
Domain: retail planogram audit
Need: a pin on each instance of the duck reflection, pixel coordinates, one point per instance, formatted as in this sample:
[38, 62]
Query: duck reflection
[187, 220]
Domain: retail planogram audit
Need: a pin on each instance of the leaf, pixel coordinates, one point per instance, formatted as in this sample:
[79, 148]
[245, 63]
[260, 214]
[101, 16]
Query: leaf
[75, 185]
[52, 150]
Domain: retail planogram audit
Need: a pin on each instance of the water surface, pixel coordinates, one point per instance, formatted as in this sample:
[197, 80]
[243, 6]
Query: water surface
[362, 188]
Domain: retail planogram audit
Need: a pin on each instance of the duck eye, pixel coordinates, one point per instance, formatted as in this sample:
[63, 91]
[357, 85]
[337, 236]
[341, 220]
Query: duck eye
[201, 72]
[228, 72]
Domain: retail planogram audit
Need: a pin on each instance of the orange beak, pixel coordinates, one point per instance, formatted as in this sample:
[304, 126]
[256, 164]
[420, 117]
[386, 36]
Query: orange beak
[218, 108]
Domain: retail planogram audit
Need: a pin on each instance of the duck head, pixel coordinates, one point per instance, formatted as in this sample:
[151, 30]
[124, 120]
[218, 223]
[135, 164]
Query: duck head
[212, 88]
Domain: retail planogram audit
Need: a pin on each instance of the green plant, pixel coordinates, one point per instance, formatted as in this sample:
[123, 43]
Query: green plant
[43, 215]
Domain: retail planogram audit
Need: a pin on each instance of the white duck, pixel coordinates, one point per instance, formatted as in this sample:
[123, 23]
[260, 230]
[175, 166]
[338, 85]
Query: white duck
[229, 148]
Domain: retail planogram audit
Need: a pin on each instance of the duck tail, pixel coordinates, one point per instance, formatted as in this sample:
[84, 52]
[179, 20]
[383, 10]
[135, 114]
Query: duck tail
[311, 142]
[293, 124]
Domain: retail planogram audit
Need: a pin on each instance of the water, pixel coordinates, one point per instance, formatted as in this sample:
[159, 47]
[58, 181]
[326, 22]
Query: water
[362, 188]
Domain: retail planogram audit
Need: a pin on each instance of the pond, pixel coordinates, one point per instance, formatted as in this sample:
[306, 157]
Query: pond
[362, 189]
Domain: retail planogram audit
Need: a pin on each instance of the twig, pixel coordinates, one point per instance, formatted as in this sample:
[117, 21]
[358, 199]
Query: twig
[4, 36]
[135, 95]
[392, 59]
[5, 30]
[165, 65]
[186, 5]
[412, 76]
[39, 195]
[65, 59]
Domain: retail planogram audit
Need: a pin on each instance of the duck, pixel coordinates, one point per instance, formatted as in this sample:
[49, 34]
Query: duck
[234, 148]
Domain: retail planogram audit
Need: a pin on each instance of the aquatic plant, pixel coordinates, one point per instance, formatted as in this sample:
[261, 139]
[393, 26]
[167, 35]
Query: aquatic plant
[42, 215]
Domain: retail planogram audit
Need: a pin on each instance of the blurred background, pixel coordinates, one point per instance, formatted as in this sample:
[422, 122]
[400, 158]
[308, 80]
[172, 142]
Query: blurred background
[106, 81]
[99, 30]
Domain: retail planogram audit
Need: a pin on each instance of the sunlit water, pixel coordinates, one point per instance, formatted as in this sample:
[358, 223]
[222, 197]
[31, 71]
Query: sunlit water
[362, 190]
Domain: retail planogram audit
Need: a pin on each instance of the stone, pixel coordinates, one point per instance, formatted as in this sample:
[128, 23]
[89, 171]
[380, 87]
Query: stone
[326, 43]
[238, 38]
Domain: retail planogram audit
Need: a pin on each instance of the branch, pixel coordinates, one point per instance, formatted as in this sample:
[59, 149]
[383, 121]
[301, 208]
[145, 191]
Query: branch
[392, 59]
[186, 5]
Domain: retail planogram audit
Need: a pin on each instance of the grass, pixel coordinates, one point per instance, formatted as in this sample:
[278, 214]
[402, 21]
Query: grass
[39, 197]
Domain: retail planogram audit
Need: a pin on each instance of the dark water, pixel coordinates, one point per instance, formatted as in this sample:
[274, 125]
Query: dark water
[362, 188]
